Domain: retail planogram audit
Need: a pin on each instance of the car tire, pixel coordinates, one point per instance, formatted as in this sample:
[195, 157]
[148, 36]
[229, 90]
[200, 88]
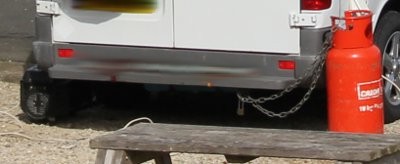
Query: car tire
[387, 38]
[35, 102]
[44, 102]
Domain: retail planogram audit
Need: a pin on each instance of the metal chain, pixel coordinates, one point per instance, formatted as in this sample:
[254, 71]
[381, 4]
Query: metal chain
[315, 68]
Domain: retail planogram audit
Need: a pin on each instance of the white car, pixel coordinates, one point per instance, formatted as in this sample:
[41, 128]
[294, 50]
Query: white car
[242, 44]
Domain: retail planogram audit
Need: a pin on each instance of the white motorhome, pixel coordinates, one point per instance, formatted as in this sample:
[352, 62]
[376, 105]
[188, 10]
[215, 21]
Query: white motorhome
[257, 44]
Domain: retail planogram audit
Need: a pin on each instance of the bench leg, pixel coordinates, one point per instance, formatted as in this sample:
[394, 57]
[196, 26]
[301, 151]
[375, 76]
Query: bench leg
[140, 157]
[111, 157]
[101, 153]
[163, 158]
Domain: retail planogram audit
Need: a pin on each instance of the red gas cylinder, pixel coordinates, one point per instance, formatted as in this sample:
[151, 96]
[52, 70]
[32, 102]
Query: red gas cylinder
[354, 83]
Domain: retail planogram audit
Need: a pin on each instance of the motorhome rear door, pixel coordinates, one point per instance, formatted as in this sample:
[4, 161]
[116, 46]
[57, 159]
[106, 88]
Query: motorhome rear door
[115, 22]
[238, 25]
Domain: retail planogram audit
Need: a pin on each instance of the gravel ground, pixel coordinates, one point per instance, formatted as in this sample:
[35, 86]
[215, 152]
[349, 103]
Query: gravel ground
[67, 141]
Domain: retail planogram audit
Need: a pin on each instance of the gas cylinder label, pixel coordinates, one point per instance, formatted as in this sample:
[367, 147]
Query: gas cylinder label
[370, 108]
[369, 90]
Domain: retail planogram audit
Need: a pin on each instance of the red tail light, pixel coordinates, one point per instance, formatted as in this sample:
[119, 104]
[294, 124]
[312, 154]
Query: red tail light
[315, 4]
[65, 53]
[287, 64]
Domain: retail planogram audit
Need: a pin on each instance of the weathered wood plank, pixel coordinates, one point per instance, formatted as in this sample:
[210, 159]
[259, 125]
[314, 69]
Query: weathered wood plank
[250, 142]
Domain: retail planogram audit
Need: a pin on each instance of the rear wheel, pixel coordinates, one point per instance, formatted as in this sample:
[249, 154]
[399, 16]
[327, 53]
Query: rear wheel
[44, 102]
[387, 38]
[35, 102]
[43, 99]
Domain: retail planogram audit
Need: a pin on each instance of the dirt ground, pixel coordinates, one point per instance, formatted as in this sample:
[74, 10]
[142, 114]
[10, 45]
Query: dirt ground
[67, 140]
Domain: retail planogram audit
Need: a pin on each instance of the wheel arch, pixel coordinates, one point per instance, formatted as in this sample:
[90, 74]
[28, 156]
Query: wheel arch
[384, 7]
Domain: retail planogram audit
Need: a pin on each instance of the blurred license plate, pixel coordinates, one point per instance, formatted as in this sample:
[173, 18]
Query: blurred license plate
[128, 6]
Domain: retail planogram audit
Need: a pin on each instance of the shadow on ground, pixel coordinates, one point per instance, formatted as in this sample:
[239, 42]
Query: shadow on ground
[216, 108]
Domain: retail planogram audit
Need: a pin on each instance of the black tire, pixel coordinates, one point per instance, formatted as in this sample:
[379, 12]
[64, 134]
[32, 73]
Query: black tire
[44, 102]
[35, 102]
[387, 38]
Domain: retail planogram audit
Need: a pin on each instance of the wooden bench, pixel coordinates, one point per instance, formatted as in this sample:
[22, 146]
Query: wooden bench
[143, 142]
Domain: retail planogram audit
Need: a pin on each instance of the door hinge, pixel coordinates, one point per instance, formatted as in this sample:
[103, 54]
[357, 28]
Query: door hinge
[303, 20]
[47, 7]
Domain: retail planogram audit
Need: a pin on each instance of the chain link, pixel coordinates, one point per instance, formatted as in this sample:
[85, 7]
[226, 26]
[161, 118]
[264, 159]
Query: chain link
[315, 70]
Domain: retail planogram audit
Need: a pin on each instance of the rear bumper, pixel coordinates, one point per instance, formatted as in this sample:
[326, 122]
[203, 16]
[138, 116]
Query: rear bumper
[175, 66]
[172, 66]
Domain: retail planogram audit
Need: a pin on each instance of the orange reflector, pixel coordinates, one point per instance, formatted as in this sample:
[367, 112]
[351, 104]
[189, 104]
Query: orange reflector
[209, 84]
[65, 53]
[287, 64]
